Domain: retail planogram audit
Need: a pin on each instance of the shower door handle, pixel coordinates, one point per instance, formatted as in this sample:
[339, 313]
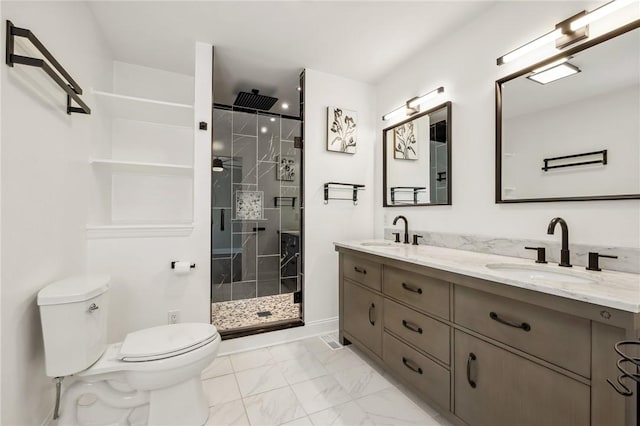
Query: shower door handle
[221, 220]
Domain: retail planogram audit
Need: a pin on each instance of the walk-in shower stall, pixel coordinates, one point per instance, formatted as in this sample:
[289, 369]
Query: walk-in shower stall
[256, 221]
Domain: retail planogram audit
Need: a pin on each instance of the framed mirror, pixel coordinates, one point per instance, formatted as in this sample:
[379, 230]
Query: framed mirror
[568, 128]
[417, 160]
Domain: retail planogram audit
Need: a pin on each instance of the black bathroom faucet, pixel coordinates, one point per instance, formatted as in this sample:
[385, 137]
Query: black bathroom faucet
[406, 227]
[564, 252]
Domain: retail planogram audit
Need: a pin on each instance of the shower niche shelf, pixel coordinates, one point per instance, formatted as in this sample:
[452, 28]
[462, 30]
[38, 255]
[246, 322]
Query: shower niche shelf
[142, 155]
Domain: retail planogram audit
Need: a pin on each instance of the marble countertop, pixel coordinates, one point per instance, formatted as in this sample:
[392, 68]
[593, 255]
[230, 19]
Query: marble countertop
[619, 290]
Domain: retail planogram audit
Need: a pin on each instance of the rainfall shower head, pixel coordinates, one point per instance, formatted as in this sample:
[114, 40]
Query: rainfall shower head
[254, 101]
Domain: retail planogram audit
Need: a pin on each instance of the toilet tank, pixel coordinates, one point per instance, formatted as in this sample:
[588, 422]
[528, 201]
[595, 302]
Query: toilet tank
[74, 313]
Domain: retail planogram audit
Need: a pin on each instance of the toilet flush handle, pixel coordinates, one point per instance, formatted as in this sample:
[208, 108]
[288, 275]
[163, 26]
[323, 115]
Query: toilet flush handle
[93, 307]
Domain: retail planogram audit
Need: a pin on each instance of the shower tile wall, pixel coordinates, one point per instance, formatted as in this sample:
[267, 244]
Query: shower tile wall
[253, 258]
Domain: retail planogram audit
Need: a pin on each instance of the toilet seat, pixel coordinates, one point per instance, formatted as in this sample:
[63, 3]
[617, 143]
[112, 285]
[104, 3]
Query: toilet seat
[165, 341]
[111, 360]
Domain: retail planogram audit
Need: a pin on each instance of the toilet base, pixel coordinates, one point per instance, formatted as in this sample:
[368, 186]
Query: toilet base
[167, 406]
[182, 404]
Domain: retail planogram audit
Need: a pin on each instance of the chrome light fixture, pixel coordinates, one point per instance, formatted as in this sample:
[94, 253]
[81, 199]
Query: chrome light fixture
[548, 74]
[412, 106]
[572, 30]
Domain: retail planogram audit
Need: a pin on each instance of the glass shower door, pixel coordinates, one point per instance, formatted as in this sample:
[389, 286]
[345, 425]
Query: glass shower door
[256, 216]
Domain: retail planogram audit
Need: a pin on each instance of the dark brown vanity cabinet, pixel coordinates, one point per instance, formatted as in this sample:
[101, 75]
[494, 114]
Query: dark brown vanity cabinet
[495, 387]
[485, 353]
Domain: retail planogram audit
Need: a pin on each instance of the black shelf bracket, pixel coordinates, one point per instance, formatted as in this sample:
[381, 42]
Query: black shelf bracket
[57, 73]
[396, 190]
[354, 187]
[278, 201]
[603, 160]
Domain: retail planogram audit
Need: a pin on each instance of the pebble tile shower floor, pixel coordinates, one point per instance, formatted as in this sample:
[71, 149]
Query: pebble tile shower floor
[244, 313]
[308, 383]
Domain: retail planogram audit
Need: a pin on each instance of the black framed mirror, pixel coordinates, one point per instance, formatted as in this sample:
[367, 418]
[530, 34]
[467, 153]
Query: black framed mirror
[567, 128]
[416, 160]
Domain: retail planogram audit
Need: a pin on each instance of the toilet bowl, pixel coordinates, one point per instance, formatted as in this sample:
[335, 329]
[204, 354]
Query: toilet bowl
[157, 369]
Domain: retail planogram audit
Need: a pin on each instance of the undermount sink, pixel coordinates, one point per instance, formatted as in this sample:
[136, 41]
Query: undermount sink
[536, 273]
[378, 244]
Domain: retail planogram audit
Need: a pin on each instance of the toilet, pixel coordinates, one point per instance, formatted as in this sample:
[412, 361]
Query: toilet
[154, 371]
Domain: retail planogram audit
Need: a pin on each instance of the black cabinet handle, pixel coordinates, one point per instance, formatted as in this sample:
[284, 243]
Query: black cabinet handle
[360, 270]
[407, 363]
[412, 288]
[221, 220]
[260, 228]
[523, 325]
[371, 309]
[411, 326]
[472, 357]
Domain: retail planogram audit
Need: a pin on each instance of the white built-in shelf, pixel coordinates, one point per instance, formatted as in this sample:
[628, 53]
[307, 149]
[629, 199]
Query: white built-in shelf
[139, 230]
[142, 109]
[142, 167]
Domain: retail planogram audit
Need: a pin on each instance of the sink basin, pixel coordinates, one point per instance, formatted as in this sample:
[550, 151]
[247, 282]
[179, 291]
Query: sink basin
[536, 273]
[378, 244]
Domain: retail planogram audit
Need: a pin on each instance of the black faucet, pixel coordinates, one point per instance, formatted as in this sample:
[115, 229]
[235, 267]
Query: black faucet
[564, 252]
[406, 227]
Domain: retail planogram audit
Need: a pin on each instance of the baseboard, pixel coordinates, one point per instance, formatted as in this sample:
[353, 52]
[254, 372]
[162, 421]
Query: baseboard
[310, 329]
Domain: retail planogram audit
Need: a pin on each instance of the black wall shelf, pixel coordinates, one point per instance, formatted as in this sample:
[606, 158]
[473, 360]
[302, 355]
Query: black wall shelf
[284, 201]
[354, 187]
[396, 190]
[71, 88]
[603, 160]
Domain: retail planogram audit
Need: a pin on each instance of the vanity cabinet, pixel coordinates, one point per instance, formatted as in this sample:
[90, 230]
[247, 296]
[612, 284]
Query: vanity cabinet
[485, 353]
[496, 387]
[363, 316]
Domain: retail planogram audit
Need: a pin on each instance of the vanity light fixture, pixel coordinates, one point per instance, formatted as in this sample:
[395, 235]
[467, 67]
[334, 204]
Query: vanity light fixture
[549, 74]
[217, 165]
[598, 13]
[412, 106]
[569, 31]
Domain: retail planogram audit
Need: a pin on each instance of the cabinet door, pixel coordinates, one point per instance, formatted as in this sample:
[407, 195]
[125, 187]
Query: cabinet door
[496, 387]
[363, 316]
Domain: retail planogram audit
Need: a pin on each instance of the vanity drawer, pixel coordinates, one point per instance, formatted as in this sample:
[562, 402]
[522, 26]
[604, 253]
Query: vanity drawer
[420, 291]
[559, 338]
[425, 333]
[427, 376]
[363, 271]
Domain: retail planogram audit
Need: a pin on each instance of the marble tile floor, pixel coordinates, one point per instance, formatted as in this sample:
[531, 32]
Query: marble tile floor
[307, 383]
[244, 313]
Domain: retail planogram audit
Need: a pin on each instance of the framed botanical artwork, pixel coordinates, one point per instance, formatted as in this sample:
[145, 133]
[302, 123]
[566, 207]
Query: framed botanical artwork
[286, 170]
[342, 130]
[249, 205]
[405, 142]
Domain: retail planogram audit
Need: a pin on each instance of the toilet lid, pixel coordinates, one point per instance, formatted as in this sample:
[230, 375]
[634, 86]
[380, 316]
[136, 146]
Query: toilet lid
[165, 341]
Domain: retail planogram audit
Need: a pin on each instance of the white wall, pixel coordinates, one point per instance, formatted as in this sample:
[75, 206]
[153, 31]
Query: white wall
[144, 288]
[464, 63]
[338, 220]
[44, 191]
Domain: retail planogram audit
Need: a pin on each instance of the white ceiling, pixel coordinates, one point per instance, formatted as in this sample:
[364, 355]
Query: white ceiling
[265, 44]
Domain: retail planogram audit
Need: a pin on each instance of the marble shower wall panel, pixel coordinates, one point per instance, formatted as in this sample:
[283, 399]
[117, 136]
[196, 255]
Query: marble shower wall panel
[221, 189]
[288, 285]
[221, 233]
[244, 257]
[268, 275]
[245, 159]
[268, 138]
[243, 290]
[268, 183]
[268, 239]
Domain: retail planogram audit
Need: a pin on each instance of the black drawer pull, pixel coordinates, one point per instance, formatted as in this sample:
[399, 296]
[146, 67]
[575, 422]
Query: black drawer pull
[523, 325]
[472, 357]
[407, 363]
[411, 326]
[371, 308]
[412, 288]
[360, 270]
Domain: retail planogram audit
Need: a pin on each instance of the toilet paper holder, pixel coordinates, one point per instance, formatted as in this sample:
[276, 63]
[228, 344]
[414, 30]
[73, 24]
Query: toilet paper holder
[173, 265]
